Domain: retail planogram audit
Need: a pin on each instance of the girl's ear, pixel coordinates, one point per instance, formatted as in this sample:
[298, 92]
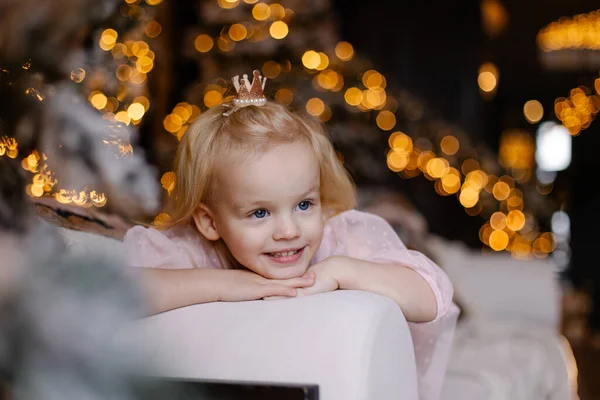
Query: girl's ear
[205, 222]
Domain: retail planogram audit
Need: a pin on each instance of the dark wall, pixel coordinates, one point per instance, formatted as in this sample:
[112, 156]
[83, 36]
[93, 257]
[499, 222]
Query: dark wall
[429, 48]
[434, 52]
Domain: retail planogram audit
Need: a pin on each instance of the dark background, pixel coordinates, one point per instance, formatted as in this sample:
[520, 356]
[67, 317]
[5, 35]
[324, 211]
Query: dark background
[434, 48]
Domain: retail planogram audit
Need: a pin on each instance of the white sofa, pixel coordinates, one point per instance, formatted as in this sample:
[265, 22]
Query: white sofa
[357, 345]
[352, 344]
[509, 344]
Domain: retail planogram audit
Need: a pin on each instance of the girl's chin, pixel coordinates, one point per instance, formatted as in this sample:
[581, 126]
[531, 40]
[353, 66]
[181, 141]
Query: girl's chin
[286, 273]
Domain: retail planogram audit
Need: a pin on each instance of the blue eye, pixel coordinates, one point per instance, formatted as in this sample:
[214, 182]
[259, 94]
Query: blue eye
[260, 213]
[304, 205]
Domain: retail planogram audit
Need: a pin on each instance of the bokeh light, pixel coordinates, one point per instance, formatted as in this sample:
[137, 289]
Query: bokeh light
[108, 39]
[172, 123]
[167, 181]
[98, 100]
[533, 111]
[396, 161]
[498, 221]
[152, 29]
[78, 75]
[315, 106]
[237, 32]
[277, 11]
[469, 197]
[386, 120]
[204, 43]
[449, 145]
[498, 240]
[515, 220]
[279, 30]
[400, 142]
[488, 79]
[261, 12]
[284, 96]
[353, 96]
[579, 32]
[136, 111]
[311, 59]
[344, 51]
[501, 190]
[212, 98]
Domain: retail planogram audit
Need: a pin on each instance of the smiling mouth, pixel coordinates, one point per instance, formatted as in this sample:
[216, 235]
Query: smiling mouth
[285, 257]
[284, 253]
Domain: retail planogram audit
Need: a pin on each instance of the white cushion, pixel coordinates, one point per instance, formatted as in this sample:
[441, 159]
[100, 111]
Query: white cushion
[507, 359]
[492, 286]
[352, 344]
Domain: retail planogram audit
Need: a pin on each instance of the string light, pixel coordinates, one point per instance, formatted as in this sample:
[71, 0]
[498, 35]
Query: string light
[136, 60]
[577, 111]
[580, 32]
[453, 170]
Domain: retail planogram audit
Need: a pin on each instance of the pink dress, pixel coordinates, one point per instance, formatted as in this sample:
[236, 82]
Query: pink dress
[352, 233]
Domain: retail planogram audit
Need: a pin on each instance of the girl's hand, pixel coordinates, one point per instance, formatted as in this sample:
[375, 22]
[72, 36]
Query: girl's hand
[241, 285]
[325, 281]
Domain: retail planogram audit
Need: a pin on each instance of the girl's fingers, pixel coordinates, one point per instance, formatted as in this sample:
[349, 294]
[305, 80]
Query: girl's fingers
[299, 293]
[275, 297]
[301, 281]
[310, 275]
[274, 289]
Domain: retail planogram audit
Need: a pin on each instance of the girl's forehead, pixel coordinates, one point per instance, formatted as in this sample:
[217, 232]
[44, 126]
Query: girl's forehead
[237, 154]
[280, 155]
[290, 167]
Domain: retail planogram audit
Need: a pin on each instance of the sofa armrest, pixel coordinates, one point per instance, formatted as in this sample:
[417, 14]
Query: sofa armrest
[352, 344]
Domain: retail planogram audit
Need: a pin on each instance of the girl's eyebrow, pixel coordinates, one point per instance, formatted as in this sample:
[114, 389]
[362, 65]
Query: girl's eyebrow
[244, 205]
[312, 189]
[255, 203]
[251, 204]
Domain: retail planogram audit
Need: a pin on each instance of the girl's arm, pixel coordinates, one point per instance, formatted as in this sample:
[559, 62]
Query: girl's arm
[402, 284]
[167, 289]
[363, 252]
[166, 268]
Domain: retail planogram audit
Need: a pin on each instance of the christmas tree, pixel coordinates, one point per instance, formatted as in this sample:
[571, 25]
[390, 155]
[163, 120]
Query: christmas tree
[158, 65]
[377, 129]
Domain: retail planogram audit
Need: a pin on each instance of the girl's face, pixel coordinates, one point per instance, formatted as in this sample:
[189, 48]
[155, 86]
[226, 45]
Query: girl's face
[267, 210]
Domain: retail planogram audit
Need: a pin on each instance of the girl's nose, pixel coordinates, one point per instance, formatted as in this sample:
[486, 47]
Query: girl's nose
[287, 229]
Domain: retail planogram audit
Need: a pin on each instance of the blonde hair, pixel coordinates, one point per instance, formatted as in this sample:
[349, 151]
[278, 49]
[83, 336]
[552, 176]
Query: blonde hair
[251, 129]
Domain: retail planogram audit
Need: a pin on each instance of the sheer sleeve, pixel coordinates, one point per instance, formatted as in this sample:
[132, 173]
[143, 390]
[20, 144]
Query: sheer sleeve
[369, 237]
[176, 248]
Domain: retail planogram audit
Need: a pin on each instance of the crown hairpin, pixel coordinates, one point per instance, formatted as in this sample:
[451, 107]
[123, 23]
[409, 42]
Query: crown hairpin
[248, 94]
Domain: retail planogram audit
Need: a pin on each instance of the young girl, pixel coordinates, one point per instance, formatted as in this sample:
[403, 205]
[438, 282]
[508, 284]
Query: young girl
[263, 209]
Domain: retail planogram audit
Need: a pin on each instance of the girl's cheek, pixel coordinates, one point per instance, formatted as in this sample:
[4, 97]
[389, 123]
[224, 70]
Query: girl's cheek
[251, 238]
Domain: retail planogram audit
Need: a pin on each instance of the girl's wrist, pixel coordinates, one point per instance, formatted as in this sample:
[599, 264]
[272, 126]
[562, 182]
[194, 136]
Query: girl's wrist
[344, 270]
